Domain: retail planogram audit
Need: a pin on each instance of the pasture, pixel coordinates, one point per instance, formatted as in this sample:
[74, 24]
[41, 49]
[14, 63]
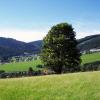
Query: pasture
[20, 66]
[23, 66]
[87, 58]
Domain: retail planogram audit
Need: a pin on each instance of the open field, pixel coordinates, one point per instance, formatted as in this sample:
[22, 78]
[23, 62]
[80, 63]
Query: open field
[20, 66]
[76, 86]
[87, 58]
[23, 66]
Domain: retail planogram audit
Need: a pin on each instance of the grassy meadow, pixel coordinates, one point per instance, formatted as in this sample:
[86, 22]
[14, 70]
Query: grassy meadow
[87, 58]
[23, 66]
[20, 66]
[73, 86]
[76, 86]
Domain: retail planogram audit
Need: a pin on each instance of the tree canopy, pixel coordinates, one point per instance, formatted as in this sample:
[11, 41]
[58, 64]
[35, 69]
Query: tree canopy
[59, 51]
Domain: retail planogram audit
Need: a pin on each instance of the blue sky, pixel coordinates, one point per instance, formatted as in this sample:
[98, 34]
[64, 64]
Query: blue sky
[29, 20]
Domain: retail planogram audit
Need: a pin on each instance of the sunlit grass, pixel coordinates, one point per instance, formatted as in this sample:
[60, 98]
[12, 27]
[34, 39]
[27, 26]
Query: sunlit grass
[20, 66]
[87, 58]
[76, 86]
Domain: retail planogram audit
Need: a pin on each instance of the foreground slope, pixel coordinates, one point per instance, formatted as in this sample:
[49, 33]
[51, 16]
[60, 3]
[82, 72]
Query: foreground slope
[76, 86]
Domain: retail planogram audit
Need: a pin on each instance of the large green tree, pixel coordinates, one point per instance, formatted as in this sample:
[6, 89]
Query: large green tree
[59, 51]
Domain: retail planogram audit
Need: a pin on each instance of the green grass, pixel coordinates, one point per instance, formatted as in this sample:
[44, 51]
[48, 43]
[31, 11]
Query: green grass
[20, 66]
[76, 86]
[87, 58]
[23, 66]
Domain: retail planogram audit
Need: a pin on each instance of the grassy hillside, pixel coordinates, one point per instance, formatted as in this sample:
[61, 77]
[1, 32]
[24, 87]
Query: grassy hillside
[20, 66]
[76, 86]
[87, 58]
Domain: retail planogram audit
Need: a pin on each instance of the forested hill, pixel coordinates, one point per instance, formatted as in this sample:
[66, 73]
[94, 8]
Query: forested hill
[89, 42]
[11, 47]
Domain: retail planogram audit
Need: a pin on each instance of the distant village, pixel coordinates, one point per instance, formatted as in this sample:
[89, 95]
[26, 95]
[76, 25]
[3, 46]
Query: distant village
[29, 57]
[90, 51]
[22, 58]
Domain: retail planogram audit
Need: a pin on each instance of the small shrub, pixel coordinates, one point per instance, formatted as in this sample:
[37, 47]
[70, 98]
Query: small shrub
[30, 71]
[39, 66]
[2, 71]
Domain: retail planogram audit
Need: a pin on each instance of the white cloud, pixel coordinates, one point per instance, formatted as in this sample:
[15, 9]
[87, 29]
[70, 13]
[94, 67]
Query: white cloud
[29, 35]
[24, 35]
[83, 29]
[86, 33]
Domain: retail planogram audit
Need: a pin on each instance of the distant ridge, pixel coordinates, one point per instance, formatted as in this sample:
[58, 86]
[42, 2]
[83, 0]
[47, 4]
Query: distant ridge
[89, 42]
[12, 47]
